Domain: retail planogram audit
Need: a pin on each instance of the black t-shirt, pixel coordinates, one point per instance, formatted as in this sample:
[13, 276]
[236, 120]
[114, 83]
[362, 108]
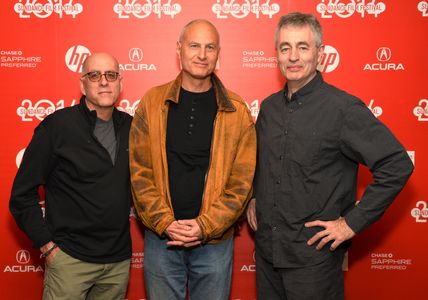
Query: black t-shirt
[188, 143]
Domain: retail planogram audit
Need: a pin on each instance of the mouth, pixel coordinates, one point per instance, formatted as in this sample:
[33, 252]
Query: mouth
[294, 68]
[201, 65]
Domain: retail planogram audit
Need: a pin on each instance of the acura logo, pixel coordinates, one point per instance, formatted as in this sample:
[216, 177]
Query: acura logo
[23, 256]
[383, 54]
[135, 54]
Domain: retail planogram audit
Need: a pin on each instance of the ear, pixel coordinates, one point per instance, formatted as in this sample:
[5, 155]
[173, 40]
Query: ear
[178, 49]
[82, 86]
[120, 84]
[320, 53]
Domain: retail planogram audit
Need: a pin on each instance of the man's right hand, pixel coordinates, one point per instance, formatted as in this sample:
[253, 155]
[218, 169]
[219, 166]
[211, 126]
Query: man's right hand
[182, 234]
[52, 254]
[251, 214]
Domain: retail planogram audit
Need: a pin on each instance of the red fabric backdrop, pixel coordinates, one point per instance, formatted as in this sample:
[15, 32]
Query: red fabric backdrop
[375, 50]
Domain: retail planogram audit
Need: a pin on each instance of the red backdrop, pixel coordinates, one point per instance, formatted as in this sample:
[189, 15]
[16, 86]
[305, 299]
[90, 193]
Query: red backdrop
[375, 50]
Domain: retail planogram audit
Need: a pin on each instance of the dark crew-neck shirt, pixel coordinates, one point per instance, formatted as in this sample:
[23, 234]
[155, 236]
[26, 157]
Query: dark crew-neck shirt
[188, 143]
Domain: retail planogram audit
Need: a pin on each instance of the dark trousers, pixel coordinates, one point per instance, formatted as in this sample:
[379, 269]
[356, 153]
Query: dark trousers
[323, 281]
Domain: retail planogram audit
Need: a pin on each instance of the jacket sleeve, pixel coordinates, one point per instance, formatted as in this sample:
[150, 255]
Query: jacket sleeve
[149, 203]
[225, 210]
[32, 173]
[366, 140]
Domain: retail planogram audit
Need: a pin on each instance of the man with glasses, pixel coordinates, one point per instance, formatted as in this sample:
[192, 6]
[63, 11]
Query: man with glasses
[192, 156]
[80, 156]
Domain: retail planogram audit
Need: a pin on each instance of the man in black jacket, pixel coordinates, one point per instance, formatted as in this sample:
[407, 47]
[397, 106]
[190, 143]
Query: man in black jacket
[80, 156]
[311, 139]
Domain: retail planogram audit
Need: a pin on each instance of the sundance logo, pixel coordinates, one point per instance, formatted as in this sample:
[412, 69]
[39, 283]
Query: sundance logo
[420, 212]
[29, 111]
[126, 106]
[23, 259]
[423, 8]
[345, 10]
[421, 110]
[240, 11]
[42, 11]
[141, 11]
[383, 55]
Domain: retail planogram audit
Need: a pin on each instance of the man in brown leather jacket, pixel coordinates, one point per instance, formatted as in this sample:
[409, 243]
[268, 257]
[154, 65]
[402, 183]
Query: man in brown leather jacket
[192, 160]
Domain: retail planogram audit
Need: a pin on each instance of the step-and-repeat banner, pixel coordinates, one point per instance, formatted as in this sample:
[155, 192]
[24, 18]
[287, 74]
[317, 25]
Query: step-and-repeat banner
[376, 50]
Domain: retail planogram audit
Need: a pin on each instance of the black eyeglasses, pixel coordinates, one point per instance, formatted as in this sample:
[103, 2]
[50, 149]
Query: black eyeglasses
[95, 76]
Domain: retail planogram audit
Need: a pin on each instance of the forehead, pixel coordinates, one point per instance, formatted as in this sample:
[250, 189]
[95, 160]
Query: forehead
[101, 63]
[201, 32]
[296, 34]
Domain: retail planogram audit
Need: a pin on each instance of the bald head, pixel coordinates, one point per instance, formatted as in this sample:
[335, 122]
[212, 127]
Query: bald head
[199, 23]
[99, 58]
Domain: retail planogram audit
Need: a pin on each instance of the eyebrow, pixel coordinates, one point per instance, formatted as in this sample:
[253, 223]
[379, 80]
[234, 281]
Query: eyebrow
[298, 44]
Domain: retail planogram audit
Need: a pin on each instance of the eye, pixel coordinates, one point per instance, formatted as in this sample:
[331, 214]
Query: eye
[284, 49]
[111, 75]
[303, 48]
[94, 75]
[193, 45]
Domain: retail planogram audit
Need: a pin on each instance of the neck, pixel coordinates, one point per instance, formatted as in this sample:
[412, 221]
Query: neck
[294, 86]
[104, 113]
[196, 85]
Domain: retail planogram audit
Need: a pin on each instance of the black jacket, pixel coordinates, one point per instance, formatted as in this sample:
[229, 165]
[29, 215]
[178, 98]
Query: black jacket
[87, 196]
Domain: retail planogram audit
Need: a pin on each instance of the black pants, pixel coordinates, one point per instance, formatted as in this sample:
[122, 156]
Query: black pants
[323, 281]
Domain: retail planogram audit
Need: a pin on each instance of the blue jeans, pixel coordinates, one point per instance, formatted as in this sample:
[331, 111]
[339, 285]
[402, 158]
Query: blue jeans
[205, 271]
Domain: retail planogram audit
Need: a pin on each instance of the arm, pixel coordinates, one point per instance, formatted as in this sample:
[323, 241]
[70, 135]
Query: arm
[33, 172]
[366, 140]
[225, 210]
[149, 203]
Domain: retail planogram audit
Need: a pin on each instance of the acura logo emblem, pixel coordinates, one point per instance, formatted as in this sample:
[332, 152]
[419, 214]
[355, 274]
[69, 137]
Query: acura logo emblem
[383, 54]
[23, 256]
[135, 54]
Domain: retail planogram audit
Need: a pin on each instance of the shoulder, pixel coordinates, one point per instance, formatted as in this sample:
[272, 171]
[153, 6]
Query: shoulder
[338, 97]
[61, 116]
[268, 101]
[236, 100]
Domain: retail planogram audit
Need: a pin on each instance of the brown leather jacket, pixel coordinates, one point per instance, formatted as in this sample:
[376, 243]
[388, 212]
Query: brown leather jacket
[230, 174]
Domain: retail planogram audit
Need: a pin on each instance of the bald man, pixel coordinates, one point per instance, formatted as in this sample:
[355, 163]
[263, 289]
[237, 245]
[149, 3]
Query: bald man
[79, 155]
[192, 157]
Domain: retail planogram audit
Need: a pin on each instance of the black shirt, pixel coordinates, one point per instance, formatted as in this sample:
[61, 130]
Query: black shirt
[309, 148]
[188, 143]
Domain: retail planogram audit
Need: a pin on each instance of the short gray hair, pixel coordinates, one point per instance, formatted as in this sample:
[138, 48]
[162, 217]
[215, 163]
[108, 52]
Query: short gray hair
[299, 19]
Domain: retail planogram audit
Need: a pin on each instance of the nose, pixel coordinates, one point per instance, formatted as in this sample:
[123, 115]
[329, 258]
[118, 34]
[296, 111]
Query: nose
[103, 80]
[202, 53]
[294, 54]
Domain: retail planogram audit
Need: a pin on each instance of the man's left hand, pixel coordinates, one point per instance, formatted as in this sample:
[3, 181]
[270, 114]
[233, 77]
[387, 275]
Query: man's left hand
[193, 230]
[337, 231]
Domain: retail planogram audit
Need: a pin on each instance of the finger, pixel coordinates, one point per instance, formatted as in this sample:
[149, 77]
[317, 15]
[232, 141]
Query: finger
[317, 236]
[315, 223]
[335, 244]
[253, 223]
[324, 241]
[174, 243]
[190, 223]
[193, 244]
